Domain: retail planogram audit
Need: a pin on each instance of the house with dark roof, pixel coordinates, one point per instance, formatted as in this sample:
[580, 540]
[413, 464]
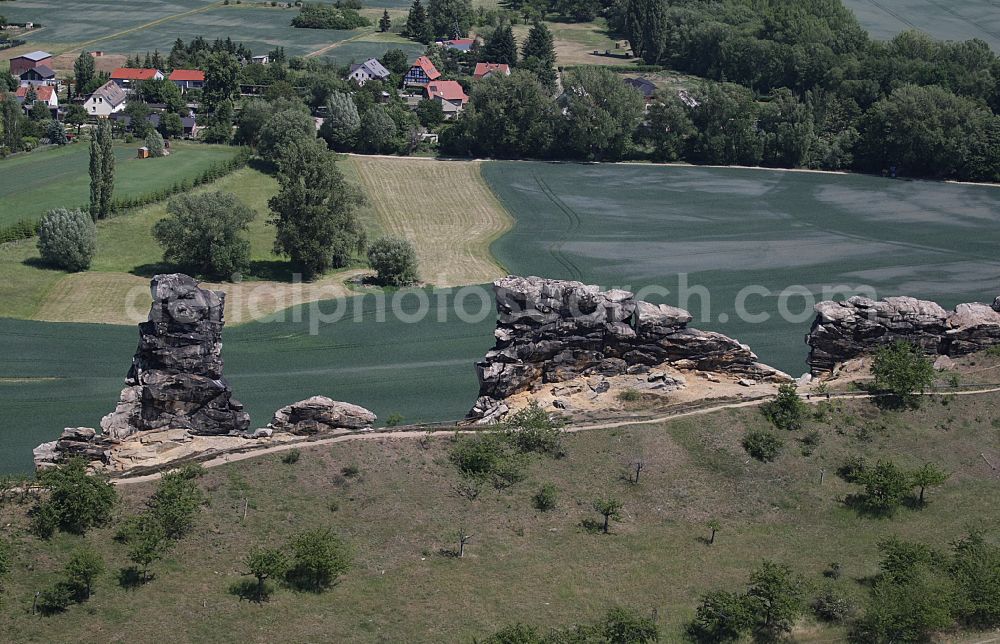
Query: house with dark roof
[189, 122]
[643, 86]
[40, 75]
[461, 44]
[421, 72]
[485, 70]
[371, 69]
[449, 93]
[187, 78]
[106, 100]
[43, 94]
[24, 62]
[126, 77]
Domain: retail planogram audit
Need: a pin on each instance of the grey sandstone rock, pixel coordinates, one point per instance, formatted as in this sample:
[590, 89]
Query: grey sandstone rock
[321, 414]
[555, 331]
[858, 326]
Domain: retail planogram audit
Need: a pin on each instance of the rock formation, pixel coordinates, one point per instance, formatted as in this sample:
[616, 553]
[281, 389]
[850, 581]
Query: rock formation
[176, 376]
[859, 325]
[320, 414]
[554, 331]
[176, 404]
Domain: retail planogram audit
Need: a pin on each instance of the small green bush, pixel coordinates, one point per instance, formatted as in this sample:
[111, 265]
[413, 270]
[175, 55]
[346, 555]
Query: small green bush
[351, 471]
[786, 411]
[67, 239]
[762, 445]
[830, 605]
[629, 395]
[545, 499]
[394, 260]
[291, 457]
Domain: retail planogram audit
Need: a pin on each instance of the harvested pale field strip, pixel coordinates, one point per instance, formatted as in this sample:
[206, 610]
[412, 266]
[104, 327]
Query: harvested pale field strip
[121, 298]
[446, 211]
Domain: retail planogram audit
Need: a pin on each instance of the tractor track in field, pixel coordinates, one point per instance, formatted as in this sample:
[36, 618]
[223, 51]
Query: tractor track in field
[556, 250]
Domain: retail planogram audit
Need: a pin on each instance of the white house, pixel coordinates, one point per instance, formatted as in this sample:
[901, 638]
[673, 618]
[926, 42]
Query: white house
[106, 100]
[43, 94]
[371, 69]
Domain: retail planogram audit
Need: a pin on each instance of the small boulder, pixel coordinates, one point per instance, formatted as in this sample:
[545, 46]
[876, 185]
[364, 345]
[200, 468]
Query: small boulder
[943, 363]
[320, 414]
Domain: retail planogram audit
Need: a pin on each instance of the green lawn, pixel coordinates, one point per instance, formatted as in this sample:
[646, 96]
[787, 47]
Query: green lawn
[635, 227]
[523, 565]
[31, 184]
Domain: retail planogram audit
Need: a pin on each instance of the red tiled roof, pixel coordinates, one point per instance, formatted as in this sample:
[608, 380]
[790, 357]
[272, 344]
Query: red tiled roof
[44, 92]
[448, 90]
[425, 64]
[486, 68]
[187, 75]
[459, 41]
[129, 73]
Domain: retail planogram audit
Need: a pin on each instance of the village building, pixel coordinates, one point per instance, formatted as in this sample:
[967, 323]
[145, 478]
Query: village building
[643, 86]
[24, 62]
[40, 75]
[371, 69]
[421, 72]
[187, 79]
[461, 44]
[485, 70]
[106, 100]
[126, 77]
[43, 94]
[450, 94]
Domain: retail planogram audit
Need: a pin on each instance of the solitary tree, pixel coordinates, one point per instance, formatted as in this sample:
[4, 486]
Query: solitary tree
[418, 26]
[462, 540]
[205, 233]
[83, 70]
[102, 170]
[903, 371]
[394, 260]
[314, 210]
[786, 411]
[82, 569]
[385, 22]
[501, 47]
[714, 526]
[775, 598]
[925, 476]
[539, 55]
[609, 508]
[67, 239]
[319, 557]
[154, 143]
[886, 484]
[147, 541]
[264, 564]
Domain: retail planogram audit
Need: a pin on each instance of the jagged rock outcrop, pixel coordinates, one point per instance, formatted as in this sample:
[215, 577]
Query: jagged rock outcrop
[859, 325]
[321, 414]
[74, 441]
[176, 377]
[554, 330]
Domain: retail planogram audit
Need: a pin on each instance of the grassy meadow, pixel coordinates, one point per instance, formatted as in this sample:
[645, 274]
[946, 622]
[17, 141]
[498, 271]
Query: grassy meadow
[797, 233]
[401, 513]
[31, 184]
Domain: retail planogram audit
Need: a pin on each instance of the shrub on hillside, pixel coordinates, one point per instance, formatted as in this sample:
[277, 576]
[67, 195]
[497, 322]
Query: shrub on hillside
[76, 500]
[319, 557]
[902, 370]
[786, 411]
[67, 239]
[394, 260]
[202, 233]
[762, 445]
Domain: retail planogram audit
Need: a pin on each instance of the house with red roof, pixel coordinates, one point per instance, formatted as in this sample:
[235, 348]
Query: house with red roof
[422, 72]
[187, 78]
[485, 70]
[43, 94]
[450, 94]
[126, 77]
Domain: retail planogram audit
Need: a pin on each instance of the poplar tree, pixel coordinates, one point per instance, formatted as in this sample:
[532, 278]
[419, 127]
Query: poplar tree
[102, 171]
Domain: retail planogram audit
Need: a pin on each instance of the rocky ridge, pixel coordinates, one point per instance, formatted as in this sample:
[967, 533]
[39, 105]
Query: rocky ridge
[176, 398]
[859, 325]
[551, 331]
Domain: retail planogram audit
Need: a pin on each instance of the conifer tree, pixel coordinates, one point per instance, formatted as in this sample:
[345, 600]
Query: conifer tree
[418, 27]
